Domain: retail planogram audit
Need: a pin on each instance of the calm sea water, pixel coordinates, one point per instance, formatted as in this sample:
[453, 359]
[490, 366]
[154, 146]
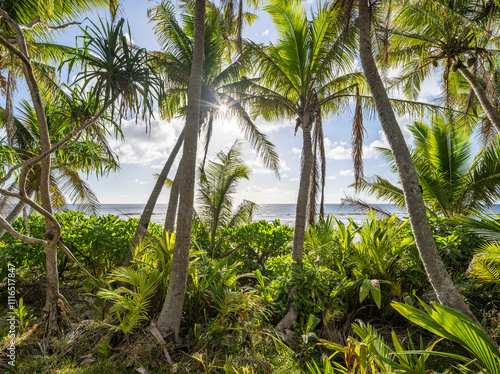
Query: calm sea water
[269, 212]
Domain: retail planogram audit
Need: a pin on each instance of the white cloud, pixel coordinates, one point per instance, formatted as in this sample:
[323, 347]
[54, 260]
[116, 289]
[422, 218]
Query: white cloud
[346, 172]
[144, 145]
[265, 32]
[258, 167]
[268, 127]
[140, 182]
[331, 177]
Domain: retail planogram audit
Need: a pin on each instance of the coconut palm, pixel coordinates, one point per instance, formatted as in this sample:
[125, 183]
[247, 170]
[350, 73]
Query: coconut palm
[302, 77]
[88, 154]
[220, 72]
[454, 37]
[438, 276]
[454, 181]
[218, 182]
[171, 313]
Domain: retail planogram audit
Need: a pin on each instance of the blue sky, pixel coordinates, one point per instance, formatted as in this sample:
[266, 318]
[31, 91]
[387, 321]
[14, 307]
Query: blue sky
[143, 154]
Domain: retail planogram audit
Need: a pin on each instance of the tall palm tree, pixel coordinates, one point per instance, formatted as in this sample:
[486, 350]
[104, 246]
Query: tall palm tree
[454, 181]
[302, 78]
[439, 278]
[171, 313]
[453, 36]
[220, 71]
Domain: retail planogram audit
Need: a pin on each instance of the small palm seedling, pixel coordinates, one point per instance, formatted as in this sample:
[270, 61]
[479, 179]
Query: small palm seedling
[21, 313]
[130, 306]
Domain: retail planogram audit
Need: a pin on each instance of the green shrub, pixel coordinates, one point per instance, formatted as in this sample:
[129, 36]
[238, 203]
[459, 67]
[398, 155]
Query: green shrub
[99, 243]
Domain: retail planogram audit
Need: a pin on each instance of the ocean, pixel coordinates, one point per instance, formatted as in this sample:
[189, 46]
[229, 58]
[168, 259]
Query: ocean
[269, 212]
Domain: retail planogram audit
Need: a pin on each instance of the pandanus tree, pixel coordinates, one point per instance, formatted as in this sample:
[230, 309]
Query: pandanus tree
[122, 81]
[89, 153]
[303, 77]
[39, 41]
[454, 180]
[454, 38]
[439, 278]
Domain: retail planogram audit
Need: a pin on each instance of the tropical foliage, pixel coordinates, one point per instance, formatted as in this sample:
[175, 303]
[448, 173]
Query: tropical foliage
[453, 179]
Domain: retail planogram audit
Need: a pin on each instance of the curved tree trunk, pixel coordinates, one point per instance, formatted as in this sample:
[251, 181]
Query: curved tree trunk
[145, 219]
[488, 108]
[13, 214]
[173, 201]
[439, 278]
[171, 314]
[300, 221]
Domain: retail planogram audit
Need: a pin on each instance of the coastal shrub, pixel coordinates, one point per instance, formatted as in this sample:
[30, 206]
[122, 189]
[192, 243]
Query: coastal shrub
[99, 243]
[257, 242]
[370, 259]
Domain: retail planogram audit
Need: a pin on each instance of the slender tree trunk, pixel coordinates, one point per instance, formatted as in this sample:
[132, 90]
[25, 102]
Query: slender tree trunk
[171, 314]
[173, 201]
[300, 221]
[13, 214]
[488, 108]
[9, 107]
[145, 219]
[439, 278]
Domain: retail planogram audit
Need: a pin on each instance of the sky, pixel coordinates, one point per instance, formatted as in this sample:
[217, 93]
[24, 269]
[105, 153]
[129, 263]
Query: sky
[142, 154]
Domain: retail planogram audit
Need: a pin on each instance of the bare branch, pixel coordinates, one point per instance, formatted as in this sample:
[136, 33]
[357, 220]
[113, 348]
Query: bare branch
[35, 206]
[27, 239]
[9, 45]
[38, 21]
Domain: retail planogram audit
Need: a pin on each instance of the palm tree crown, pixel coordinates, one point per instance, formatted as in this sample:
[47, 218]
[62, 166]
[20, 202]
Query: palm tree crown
[453, 180]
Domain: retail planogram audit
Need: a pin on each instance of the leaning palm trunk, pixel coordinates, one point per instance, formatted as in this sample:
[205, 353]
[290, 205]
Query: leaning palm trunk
[171, 314]
[142, 227]
[486, 104]
[300, 221]
[439, 278]
[173, 201]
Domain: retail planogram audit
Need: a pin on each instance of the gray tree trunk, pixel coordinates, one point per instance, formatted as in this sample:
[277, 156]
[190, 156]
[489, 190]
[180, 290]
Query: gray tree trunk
[488, 108]
[13, 214]
[439, 278]
[145, 219]
[300, 220]
[171, 314]
[173, 201]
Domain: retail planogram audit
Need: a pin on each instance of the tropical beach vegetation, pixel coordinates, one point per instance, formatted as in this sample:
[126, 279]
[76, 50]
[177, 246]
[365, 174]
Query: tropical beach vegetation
[212, 291]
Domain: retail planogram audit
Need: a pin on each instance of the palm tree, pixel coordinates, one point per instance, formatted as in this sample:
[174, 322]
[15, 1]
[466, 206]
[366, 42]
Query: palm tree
[453, 180]
[450, 36]
[171, 313]
[301, 78]
[439, 278]
[90, 154]
[218, 181]
[220, 73]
